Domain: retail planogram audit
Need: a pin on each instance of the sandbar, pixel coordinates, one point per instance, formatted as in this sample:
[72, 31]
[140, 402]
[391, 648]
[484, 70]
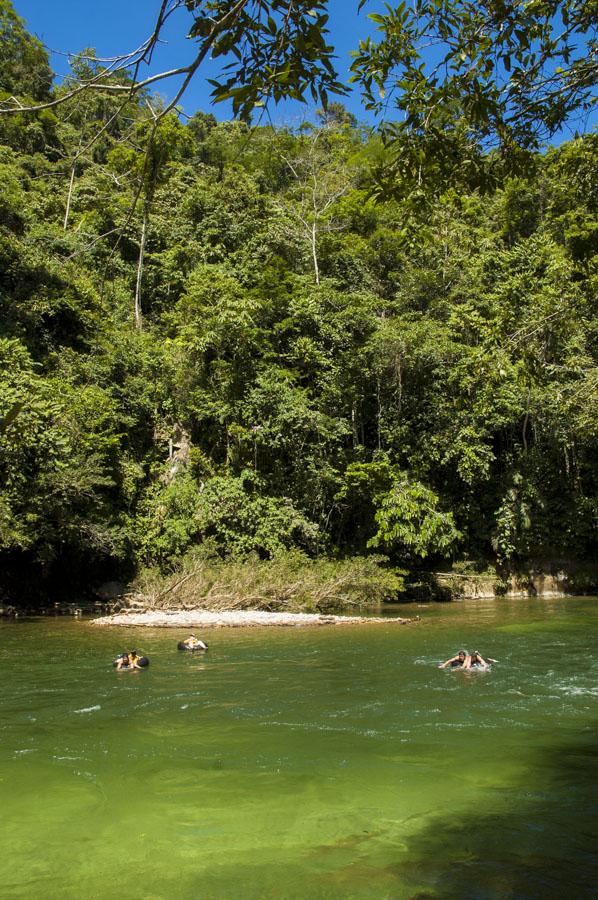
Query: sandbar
[200, 618]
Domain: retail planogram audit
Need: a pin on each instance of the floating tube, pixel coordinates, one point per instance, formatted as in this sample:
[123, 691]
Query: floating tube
[475, 668]
[183, 646]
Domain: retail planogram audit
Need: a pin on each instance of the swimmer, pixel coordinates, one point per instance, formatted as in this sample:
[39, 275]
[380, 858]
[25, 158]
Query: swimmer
[456, 662]
[194, 643]
[476, 659]
[134, 660]
[128, 660]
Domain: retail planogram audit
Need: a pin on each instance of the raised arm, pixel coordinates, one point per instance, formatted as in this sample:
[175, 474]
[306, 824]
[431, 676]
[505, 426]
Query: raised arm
[445, 665]
[485, 663]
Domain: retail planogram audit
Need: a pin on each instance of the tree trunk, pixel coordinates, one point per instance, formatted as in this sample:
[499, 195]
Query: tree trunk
[524, 432]
[314, 253]
[379, 412]
[354, 424]
[69, 197]
[144, 230]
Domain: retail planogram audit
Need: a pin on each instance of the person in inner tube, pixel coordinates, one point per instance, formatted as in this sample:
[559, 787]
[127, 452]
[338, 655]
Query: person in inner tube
[476, 659]
[456, 662]
[194, 643]
[128, 660]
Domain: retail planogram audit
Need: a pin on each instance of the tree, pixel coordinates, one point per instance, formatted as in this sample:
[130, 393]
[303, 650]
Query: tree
[91, 124]
[468, 77]
[25, 81]
[321, 177]
[272, 50]
[24, 68]
[465, 77]
[163, 144]
[410, 521]
[336, 116]
[434, 393]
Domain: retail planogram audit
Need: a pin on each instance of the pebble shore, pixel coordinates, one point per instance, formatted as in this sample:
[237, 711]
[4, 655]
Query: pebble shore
[199, 618]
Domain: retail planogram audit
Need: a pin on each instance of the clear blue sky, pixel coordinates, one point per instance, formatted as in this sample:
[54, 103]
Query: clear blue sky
[114, 27]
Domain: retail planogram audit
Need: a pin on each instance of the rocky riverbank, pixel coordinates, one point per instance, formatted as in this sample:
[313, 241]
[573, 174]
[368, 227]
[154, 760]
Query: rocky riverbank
[199, 618]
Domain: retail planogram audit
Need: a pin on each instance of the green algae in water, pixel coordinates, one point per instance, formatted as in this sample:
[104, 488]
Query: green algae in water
[303, 763]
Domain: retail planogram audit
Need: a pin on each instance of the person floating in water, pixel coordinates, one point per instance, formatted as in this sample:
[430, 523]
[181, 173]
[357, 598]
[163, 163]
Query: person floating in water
[128, 660]
[465, 660]
[456, 662]
[134, 660]
[194, 643]
[476, 659]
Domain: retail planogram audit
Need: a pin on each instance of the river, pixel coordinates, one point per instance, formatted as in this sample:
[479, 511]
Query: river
[300, 763]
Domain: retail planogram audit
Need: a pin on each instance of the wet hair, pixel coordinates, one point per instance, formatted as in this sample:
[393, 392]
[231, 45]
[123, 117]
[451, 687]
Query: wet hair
[462, 653]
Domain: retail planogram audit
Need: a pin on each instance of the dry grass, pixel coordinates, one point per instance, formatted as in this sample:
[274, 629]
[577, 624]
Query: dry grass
[289, 583]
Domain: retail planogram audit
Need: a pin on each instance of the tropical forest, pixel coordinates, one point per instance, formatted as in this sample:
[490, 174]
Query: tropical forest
[323, 348]
[298, 407]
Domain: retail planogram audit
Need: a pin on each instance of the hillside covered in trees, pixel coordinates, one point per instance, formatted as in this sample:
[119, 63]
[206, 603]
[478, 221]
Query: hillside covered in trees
[229, 341]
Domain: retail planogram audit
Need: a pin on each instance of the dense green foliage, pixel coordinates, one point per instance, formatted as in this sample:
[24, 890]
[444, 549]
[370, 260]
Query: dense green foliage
[469, 76]
[257, 355]
[464, 76]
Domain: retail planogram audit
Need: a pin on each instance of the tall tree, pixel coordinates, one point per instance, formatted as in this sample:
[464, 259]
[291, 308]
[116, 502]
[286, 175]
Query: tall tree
[24, 67]
[320, 177]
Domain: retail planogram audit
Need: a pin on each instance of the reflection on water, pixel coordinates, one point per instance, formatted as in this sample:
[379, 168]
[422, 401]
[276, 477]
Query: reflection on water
[304, 763]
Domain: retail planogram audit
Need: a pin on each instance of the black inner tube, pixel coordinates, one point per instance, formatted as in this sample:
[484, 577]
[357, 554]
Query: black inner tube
[183, 646]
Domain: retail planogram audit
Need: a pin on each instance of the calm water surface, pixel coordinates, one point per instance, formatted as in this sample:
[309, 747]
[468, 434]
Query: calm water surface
[304, 763]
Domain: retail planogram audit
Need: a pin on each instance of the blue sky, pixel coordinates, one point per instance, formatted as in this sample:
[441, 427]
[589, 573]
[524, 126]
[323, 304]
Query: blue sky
[113, 27]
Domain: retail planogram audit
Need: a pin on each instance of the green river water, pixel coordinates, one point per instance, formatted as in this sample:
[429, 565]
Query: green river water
[300, 763]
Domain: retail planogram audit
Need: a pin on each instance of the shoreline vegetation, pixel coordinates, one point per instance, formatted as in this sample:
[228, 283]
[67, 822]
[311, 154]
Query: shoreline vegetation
[292, 582]
[289, 590]
[205, 590]
[289, 584]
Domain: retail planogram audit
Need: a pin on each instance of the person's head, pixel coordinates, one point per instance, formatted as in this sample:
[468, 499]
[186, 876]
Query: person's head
[462, 654]
[132, 654]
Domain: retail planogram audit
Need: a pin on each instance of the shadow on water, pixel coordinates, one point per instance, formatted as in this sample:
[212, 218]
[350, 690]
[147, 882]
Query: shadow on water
[540, 842]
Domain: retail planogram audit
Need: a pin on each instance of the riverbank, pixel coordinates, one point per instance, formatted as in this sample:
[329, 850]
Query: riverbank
[200, 618]
[542, 579]
[290, 585]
